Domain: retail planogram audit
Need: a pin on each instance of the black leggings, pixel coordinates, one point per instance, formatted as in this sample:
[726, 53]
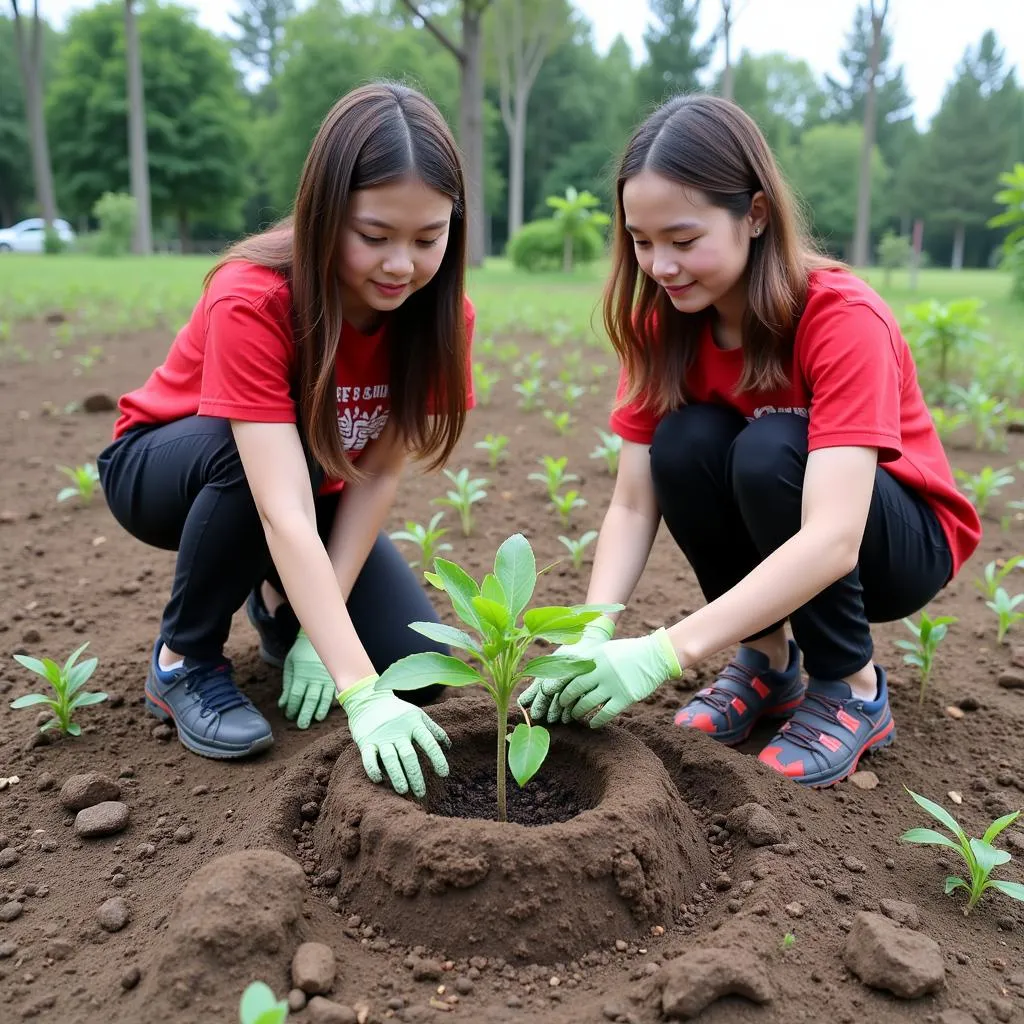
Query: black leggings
[181, 487]
[731, 492]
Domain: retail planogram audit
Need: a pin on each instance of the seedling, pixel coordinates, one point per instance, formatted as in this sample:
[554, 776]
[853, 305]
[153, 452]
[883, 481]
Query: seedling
[609, 449]
[561, 421]
[425, 538]
[565, 503]
[572, 393]
[947, 423]
[979, 855]
[483, 383]
[492, 610]
[507, 351]
[466, 494]
[928, 634]
[995, 574]
[84, 479]
[532, 361]
[554, 474]
[576, 548]
[986, 413]
[67, 683]
[260, 1006]
[788, 940]
[528, 390]
[494, 445]
[1005, 608]
[984, 486]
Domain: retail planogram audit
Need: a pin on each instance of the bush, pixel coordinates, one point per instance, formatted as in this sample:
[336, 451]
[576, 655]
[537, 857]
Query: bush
[540, 245]
[116, 213]
[894, 253]
[53, 244]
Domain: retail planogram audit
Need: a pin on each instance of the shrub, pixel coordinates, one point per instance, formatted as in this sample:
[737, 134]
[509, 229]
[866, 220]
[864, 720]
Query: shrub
[540, 246]
[116, 213]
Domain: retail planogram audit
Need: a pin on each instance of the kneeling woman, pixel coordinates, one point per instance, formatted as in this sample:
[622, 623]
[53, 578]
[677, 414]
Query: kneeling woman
[267, 448]
[771, 415]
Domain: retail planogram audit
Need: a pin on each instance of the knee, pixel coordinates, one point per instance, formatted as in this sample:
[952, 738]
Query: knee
[687, 440]
[768, 455]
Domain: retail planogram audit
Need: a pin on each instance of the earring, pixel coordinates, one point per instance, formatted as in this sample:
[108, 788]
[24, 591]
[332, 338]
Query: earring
[757, 231]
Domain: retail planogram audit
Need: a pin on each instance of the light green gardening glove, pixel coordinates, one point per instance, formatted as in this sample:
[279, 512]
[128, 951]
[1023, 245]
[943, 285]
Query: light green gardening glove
[542, 695]
[626, 671]
[308, 689]
[386, 726]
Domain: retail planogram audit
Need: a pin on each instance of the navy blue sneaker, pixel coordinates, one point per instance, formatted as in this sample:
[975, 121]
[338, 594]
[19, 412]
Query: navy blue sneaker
[212, 717]
[277, 632]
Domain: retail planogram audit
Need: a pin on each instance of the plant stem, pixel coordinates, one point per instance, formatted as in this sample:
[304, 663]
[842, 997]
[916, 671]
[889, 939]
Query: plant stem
[502, 729]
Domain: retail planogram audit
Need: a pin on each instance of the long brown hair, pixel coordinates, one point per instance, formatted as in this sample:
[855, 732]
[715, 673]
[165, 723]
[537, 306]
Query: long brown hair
[374, 135]
[710, 145]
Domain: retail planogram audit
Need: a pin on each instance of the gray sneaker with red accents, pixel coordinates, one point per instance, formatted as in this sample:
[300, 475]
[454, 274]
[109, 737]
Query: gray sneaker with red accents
[745, 691]
[830, 732]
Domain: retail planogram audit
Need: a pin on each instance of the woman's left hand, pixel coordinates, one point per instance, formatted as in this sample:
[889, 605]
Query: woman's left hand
[308, 689]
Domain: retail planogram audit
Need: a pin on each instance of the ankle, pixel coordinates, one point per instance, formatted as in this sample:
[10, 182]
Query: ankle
[167, 658]
[272, 600]
[774, 647]
[864, 684]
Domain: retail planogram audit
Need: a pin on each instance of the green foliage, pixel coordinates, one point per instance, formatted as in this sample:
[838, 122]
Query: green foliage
[946, 423]
[674, 60]
[561, 421]
[426, 538]
[894, 252]
[994, 574]
[940, 332]
[67, 682]
[483, 383]
[566, 504]
[465, 495]
[979, 855]
[1012, 197]
[494, 445]
[259, 1005]
[83, 478]
[554, 474]
[528, 390]
[983, 486]
[492, 610]
[53, 244]
[116, 213]
[986, 413]
[609, 449]
[1005, 609]
[578, 223]
[540, 246]
[578, 547]
[928, 634]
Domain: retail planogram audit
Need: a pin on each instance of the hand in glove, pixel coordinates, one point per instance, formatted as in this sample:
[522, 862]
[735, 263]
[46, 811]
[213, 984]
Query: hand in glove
[308, 689]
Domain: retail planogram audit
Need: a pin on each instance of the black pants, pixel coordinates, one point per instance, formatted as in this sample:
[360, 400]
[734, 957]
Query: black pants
[731, 492]
[181, 487]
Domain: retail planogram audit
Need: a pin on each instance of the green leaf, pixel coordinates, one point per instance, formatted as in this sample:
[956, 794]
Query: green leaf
[492, 612]
[952, 882]
[1012, 889]
[259, 1006]
[597, 609]
[492, 589]
[32, 664]
[53, 673]
[449, 635]
[928, 837]
[67, 492]
[527, 748]
[74, 729]
[434, 580]
[940, 814]
[556, 666]
[998, 825]
[53, 723]
[427, 669]
[84, 700]
[540, 621]
[30, 700]
[461, 588]
[73, 657]
[987, 856]
[80, 674]
[275, 1015]
[516, 568]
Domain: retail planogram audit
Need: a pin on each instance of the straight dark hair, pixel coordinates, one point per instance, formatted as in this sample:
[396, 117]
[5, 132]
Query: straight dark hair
[372, 136]
[710, 145]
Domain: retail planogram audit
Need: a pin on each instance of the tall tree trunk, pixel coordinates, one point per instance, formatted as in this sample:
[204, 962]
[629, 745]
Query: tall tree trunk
[567, 253]
[471, 126]
[959, 237]
[138, 154]
[30, 53]
[727, 38]
[517, 168]
[862, 231]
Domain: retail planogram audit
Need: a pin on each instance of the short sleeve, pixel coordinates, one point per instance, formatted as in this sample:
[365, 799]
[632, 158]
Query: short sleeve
[851, 366]
[633, 421]
[247, 364]
[470, 331]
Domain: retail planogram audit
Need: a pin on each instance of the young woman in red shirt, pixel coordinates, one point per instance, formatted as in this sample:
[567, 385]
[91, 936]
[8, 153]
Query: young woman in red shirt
[267, 448]
[771, 415]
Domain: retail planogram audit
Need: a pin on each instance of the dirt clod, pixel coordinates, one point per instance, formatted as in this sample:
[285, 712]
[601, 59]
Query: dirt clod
[1011, 679]
[313, 968]
[130, 978]
[114, 914]
[87, 790]
[864, 780]
[758, 824]
[9, 857]
[324, 1011]
[898, 960]
[901, 912]
[692, 982]
[11, 911]
[103, 819]
[427, 970]
[296, 1000]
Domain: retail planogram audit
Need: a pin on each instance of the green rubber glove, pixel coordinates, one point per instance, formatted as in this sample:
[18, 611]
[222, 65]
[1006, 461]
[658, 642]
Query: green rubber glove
[308, 689]
[386, 726]
[541, 697]
[626, 671]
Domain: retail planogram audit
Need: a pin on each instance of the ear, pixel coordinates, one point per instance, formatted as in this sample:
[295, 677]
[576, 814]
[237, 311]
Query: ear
[757, 218]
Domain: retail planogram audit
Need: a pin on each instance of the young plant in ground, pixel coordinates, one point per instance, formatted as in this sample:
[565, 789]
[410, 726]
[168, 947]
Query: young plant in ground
[982, 487]
[260, 1006]
[609, 449]
[986, 413]
[425, 538]
[1005, 608]
[565, 503]
[979, 855]
[466, 494]
[572, 393]
[788, 940]
[532, 361]
[67, 683]
[576, 548]
[561, 421]
[492, 610]
[947, 423]
[928, 634]
[84, 480]
[528, 390]
[494, 445]
[483, 383]
[995, 574]
[507, 351]
[554, 474]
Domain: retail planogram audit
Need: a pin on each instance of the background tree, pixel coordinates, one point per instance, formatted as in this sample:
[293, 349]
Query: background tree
[138, 152]
[674, 60]
[862, 231]
[261, 28]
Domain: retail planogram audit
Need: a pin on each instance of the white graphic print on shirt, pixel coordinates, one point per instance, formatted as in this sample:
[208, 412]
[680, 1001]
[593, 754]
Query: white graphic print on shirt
[361, 423]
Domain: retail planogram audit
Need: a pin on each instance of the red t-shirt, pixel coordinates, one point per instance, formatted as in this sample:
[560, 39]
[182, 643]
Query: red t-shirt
[236, 359]
[853, 376]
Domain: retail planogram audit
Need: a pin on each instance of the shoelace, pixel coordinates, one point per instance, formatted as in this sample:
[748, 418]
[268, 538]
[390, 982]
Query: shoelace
[721, 699]
[804, 735]
[215, 687]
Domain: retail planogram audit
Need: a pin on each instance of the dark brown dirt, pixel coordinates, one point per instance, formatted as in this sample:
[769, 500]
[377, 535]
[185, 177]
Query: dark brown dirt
[212, 905]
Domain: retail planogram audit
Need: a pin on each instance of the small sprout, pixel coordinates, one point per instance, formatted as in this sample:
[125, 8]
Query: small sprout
[576, 548]
[561, 421]
[609, 449]
[947, 423]
[494, 445]
[788, 940]
[572, 393]
[507, 351]
[85, 478]
[425, 538]
[987, 414]
[466, 494]
[928, 635]
[67, 683]
[554, 474]
[528, 390]
[982, 487]
[532, 361]
[979, 855]
[485, 346]
[565, 503]
[1005, 608]
[572, 363]
[995, 574]
[260, 1006]
[483, 383]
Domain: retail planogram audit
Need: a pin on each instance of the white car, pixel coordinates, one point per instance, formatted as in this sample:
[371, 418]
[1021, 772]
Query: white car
[27, 235]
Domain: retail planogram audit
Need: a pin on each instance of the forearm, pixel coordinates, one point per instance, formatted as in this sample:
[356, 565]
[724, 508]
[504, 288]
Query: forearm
[623, 547]
[786, 580]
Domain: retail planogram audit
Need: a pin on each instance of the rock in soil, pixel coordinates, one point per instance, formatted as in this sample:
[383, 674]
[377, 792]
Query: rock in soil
[114, 914]
[103, 819]
[898, 960]
[902, 913]
[313, 968]
[323, 1011]
[692, 982]
[427, 970]
[9, 857]
[11, 911]
[957, 1017]
[8, 948]
[1012, 679]
[759, 825]
[296, 1000]
[130, 978]
[864, 780]
[81, 791]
